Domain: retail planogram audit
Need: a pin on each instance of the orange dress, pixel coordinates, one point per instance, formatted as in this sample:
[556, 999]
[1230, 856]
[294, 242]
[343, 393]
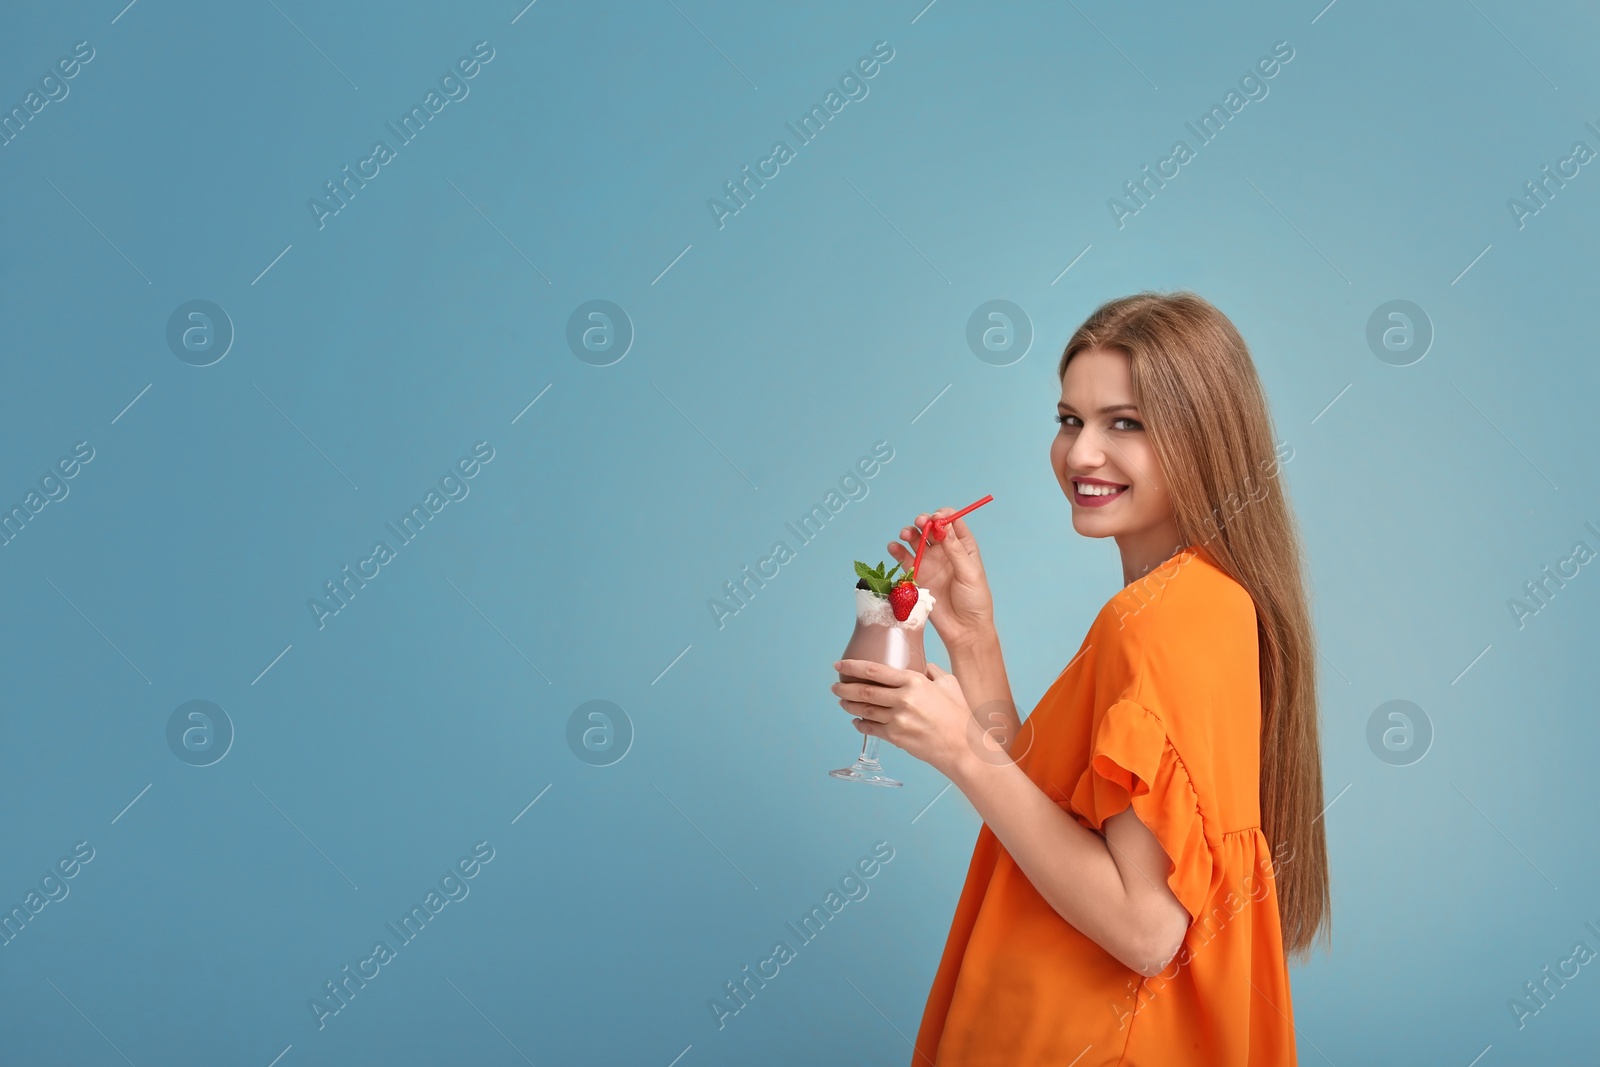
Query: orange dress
[1160, 708]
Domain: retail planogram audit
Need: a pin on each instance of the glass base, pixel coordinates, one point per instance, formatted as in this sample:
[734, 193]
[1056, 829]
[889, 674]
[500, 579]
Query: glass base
[868, 772]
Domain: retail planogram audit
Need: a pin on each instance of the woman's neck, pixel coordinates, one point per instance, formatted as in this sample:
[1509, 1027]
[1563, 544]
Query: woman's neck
[1147, 549]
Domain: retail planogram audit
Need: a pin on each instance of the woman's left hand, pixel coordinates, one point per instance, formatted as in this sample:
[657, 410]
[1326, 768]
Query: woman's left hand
[924, 714]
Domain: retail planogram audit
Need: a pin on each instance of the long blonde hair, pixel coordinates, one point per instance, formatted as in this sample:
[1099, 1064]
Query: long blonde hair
[1206, 415]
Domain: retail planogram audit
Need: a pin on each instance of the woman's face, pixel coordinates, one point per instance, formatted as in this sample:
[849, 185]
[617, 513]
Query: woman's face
[1102, 455]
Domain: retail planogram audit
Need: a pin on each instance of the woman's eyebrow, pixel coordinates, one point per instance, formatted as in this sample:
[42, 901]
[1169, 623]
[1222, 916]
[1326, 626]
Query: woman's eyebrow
[1062, 405]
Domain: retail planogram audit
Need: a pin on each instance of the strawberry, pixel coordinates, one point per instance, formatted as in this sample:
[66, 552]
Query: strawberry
[902, 594]
[902, 598]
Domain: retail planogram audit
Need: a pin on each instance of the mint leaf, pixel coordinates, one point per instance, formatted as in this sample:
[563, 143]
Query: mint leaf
[877, 581]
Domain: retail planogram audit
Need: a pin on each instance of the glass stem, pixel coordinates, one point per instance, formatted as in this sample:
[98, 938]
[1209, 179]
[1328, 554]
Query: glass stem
[869, 749]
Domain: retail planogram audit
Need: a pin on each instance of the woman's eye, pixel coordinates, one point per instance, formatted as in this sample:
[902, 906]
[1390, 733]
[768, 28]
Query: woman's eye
[1116, 424]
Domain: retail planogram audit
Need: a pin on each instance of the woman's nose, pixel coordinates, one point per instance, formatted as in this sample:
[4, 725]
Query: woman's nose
[1086, 452]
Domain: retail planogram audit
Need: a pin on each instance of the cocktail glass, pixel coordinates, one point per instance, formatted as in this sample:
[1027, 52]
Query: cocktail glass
[882, 641]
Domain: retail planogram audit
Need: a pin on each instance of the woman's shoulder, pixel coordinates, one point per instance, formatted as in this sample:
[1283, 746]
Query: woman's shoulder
[1188, 595]
[1182, 644]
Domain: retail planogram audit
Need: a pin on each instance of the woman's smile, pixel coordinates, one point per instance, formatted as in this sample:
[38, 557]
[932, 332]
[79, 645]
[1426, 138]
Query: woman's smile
[1095, 492]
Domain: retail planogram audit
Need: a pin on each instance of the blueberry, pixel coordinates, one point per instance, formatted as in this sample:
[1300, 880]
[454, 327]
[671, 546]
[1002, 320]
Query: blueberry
[862, 584]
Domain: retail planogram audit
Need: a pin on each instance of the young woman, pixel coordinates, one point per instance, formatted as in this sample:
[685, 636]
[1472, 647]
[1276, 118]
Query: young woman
[1152, 850]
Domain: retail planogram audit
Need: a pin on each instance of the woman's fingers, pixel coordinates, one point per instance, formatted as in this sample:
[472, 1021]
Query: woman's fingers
[866, 712]
[963, 548]
[864, 694]
[874, 713]
[910, 535]
[954, 536]
[968, 541]
[935, 527]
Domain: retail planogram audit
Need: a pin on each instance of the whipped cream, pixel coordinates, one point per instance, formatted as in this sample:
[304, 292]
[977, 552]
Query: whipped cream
[875, 610]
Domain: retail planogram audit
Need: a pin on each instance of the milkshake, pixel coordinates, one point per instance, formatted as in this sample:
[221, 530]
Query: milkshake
[890, 619]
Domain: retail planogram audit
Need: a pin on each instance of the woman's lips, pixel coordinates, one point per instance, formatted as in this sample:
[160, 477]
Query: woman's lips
[1101, 500]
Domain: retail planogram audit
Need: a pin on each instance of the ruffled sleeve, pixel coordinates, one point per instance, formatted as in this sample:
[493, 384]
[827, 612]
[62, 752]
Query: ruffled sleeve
[1132, 761]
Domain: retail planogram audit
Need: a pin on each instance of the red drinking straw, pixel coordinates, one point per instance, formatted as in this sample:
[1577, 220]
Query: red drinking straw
[923, 542]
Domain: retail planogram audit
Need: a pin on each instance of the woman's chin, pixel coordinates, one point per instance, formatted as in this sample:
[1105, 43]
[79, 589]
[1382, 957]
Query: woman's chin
[1090, 525]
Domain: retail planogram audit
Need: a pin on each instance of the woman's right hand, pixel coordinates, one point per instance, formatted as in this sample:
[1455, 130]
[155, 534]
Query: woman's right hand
[952, 570]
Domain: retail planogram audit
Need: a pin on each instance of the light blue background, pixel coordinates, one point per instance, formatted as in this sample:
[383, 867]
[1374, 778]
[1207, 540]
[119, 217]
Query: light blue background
[824, 317]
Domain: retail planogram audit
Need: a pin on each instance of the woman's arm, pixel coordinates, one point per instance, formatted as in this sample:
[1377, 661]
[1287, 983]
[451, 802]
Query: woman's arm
[1112, 888]
[981, 669]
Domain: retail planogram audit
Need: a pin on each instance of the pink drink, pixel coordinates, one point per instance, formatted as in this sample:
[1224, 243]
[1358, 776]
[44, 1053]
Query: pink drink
[882, 638]
[895, 644]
